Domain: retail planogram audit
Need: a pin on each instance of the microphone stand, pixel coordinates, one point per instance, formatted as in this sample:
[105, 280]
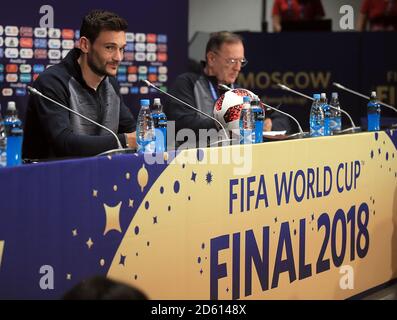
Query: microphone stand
[352, 129]
[338, 85]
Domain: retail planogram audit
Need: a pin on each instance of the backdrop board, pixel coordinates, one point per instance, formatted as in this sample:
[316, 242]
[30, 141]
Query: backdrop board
[156, 49]
[311, 62]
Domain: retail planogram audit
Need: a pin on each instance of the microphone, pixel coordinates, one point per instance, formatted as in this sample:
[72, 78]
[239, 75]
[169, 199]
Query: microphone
[338, 85]
[38, 93]
[299, 134]
[352, 129]
[189, 106]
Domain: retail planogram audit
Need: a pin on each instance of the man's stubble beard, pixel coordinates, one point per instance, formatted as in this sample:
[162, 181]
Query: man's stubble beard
[98, 70]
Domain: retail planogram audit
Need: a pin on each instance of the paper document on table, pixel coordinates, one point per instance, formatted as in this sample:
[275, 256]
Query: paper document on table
[274, 133]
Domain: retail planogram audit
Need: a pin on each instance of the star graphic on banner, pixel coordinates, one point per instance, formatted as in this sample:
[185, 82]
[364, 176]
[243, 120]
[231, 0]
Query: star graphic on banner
[2, 242]
[193, 178]
[275, 219]
[154, 220]
[130, 203]
[312, 217]
[74, 232]
[89, 243]
[122, 259]
[95, 193]
[68, 276]
[102, 262]
[208, 177]
[112, 218]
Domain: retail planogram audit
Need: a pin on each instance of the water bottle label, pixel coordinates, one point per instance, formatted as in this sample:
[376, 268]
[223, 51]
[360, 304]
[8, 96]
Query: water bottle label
[335, 124]
[247, 136]
[373, 122]
[161, 139]
[327, 127]
[316, 129]
[14, 150]
[258, 131]
[146, 146]
[3, 158]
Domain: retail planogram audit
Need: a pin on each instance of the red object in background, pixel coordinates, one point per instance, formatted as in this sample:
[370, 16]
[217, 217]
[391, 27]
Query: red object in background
[132, 69]
[162, 57]
[151, 38]
[26, 43]
[11, 68]
[67, 33]
[298, 10]
[152, 77]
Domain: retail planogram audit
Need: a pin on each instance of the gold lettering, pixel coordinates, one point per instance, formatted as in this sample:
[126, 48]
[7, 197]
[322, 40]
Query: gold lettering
[262, 84]
[306, 80]
[246, 82]
[320, 78]
[301, 80]
[391, 76]
[276, 79]
[1, 250]
[287, 75]
[386, 94]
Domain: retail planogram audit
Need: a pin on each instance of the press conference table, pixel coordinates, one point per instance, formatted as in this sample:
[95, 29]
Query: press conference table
[297, 219]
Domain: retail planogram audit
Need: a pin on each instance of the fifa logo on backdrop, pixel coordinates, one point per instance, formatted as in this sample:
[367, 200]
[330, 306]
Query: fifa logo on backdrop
[346, 21]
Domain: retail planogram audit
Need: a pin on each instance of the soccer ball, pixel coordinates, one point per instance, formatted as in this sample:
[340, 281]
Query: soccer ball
[227, 108]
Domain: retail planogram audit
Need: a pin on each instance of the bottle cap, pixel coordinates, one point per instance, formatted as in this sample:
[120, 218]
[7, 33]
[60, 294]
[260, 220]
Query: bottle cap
[156, 101]
[316, 96]
[246, 99]
[323, 95]
[11, 106]
[373, 94]
[335, 95]
[145, 102]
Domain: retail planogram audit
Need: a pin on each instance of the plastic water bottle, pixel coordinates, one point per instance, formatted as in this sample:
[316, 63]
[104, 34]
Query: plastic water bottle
[145, 136]
[259, 117]
[373, 113]
[336, 115]
[327, 114]
[247, 123]
[160, 126]
[3, 143]
[14, 133]
[316, 118]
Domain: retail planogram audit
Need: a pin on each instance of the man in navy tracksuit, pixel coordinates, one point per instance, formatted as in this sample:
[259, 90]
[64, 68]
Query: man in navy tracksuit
[83, 81]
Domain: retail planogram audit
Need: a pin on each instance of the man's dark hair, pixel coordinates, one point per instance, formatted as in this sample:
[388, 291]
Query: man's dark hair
[102, 288]
[100, 20]
[218, 38]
